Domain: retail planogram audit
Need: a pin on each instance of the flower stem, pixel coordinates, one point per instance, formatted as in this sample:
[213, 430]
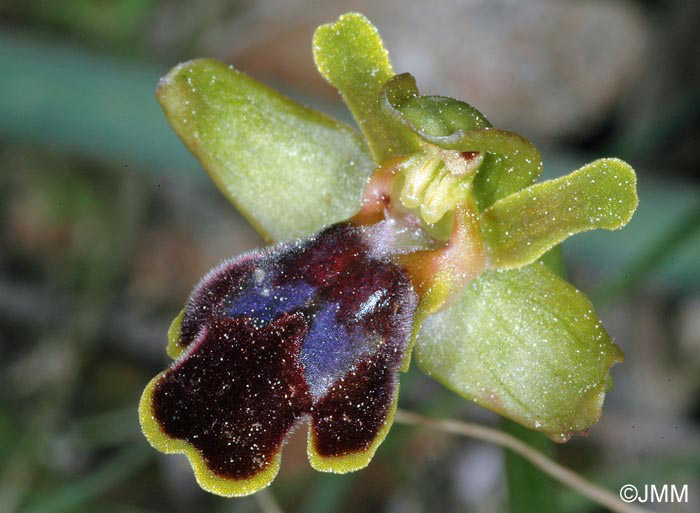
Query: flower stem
[557, 471]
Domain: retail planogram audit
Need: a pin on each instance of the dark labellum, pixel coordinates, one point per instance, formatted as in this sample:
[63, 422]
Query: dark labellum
[315, 328]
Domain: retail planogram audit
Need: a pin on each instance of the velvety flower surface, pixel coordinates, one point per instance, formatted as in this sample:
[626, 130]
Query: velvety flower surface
[316, 329]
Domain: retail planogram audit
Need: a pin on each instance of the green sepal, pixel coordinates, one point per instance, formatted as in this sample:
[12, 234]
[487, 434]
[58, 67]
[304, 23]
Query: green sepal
[351, 56]
[289, 169]
[511, 162]
[521, 227]
[525, 344]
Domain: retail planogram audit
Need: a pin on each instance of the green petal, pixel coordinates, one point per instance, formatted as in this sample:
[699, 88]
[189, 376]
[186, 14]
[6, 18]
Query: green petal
[525, 344]
[351, 56]
[521, 227]
[511, 162]
[432, 117]
[289, 169]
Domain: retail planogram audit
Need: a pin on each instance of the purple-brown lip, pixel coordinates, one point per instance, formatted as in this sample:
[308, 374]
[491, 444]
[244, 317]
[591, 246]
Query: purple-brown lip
[315, 328]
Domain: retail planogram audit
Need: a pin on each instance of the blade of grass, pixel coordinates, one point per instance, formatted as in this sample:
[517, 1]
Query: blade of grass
[65, 96]
[528, 488]
[73, 494]
[652, 257]
[330, 493]
[267, 502]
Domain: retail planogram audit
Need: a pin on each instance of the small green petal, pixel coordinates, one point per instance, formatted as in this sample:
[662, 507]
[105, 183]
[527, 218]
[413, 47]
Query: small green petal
[519, 228]
[289, 169]
[525, 344]
[351, 56]
[511, 162]
[435, 118]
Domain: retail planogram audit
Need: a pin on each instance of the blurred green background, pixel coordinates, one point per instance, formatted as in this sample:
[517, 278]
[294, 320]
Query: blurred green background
[106, 222]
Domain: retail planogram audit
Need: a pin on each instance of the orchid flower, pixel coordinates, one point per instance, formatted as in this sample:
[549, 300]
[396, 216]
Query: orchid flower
[423, 237]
